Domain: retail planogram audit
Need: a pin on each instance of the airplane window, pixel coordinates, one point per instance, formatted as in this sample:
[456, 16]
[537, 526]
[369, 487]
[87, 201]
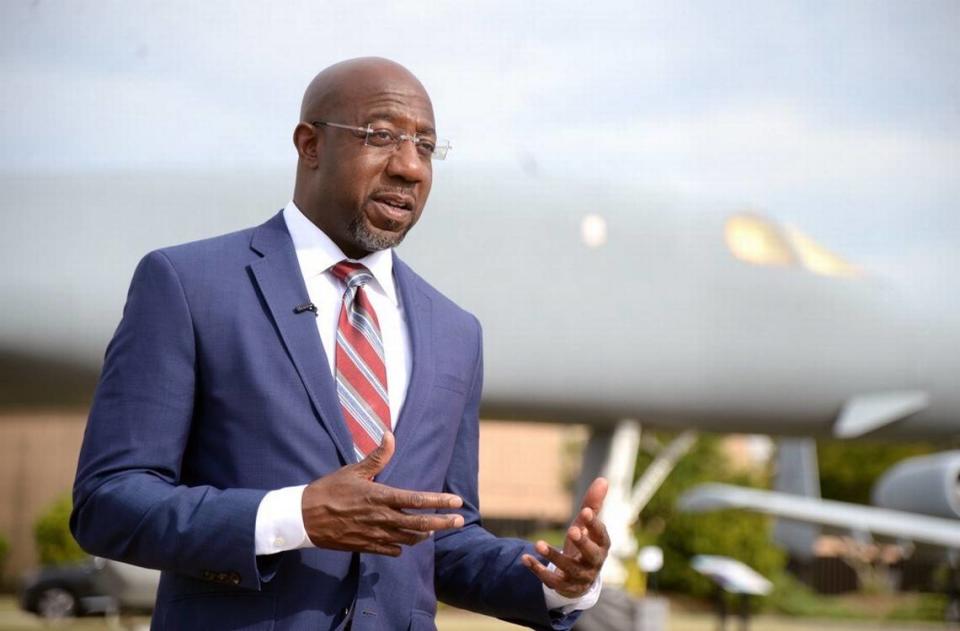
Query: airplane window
[759, 241]
[818, 259]
[755, 240]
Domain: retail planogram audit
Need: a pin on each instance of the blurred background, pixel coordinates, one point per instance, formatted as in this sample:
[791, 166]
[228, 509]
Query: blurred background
[718, 166]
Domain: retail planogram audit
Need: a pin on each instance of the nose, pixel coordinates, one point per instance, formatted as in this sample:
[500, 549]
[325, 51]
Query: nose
[405, 163]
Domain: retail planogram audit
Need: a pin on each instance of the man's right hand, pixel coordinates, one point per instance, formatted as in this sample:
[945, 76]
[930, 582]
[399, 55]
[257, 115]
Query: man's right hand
[347, 510]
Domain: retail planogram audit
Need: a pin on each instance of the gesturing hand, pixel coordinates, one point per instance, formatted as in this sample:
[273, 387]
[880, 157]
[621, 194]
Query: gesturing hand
[584, 549]
[347, 510]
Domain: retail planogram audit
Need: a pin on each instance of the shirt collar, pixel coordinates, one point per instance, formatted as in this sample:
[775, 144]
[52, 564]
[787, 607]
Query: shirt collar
[317, 253]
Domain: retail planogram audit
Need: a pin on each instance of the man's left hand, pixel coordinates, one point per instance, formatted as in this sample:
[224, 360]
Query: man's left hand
[584, 549]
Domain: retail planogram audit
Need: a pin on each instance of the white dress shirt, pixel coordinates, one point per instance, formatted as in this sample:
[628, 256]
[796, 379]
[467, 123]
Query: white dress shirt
[279, 524]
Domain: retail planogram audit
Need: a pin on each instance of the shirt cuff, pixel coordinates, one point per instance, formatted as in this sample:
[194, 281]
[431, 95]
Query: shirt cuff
[279, 524]
[568, 605]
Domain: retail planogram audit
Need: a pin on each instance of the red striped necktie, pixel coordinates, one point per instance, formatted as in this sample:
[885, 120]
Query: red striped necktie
[361, 371]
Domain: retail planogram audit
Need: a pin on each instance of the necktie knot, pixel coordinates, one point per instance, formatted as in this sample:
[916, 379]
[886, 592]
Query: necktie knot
[352, 274]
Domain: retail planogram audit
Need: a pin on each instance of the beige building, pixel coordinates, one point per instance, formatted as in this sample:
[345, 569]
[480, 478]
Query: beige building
[38, 458]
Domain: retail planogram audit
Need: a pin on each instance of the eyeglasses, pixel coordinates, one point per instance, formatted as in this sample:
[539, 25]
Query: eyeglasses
[384, 138]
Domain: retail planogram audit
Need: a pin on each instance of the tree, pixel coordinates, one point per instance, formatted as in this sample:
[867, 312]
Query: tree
[738, 534]
[848, 469]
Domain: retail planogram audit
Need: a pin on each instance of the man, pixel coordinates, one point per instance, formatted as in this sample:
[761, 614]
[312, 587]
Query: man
[241, 437]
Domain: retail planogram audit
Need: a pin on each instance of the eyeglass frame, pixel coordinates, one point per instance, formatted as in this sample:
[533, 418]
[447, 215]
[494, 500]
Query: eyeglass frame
[440, 147]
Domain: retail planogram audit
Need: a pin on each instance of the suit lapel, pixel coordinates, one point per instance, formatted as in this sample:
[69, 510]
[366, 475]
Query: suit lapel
[418, 313]
[278, 276]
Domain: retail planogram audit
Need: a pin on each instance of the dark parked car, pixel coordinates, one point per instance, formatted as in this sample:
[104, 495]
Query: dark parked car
[94, 586]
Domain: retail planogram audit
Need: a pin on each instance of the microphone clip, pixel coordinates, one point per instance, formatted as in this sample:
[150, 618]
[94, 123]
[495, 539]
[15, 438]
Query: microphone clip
[307, 306]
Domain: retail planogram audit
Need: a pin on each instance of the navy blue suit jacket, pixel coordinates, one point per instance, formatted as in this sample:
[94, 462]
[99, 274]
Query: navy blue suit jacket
[214, 391]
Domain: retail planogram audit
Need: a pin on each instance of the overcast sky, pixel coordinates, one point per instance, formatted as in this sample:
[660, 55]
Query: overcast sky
[809, 111]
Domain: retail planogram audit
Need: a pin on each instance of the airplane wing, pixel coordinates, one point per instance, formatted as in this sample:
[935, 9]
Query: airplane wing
[844, 515]
[865, 413]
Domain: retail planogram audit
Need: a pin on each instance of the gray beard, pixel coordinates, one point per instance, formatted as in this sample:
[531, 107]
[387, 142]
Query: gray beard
[373, 242]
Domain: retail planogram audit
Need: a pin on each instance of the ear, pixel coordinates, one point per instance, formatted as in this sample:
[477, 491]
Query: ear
[306, 140]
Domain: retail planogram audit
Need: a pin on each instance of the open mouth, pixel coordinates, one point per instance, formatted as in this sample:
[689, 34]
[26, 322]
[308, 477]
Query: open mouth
[391, 211]
[403, 202]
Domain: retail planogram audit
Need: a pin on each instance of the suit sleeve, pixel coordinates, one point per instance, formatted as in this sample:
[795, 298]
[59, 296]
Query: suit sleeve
[129, 503]
[474, 569]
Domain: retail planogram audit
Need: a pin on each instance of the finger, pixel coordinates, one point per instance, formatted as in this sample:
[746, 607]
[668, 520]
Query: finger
[590, 552]
[595, 495]
[573, 570]
[376, 460]
[575, 533]
[597, 531]
[385, 549]
[425, 522]
[401, 499]
[406, 537]
[548, 578]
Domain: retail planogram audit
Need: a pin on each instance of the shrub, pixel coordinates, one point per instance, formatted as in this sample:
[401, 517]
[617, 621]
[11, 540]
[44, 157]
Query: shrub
[792, 597]
[55, 543]
[4, 551]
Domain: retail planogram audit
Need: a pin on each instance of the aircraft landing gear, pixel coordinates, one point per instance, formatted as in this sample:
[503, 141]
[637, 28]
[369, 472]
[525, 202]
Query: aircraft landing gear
[613, 454]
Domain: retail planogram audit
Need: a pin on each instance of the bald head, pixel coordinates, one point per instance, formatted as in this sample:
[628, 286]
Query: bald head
[364, 195]
[336, 87]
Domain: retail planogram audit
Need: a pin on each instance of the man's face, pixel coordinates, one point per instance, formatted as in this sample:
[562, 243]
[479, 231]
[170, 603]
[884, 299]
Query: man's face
[369, 197]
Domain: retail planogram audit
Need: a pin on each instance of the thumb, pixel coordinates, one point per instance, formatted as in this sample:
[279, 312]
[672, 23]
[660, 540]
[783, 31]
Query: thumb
[377, 459]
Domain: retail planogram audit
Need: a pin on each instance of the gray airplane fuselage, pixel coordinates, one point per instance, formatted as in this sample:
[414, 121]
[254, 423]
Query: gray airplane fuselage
[657, 321]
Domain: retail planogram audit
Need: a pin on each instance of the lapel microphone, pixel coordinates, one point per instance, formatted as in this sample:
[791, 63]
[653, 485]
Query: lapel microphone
[307, 306]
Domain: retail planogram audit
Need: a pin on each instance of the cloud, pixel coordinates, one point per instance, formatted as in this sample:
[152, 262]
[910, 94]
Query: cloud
[758, 102]
[760, 148]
